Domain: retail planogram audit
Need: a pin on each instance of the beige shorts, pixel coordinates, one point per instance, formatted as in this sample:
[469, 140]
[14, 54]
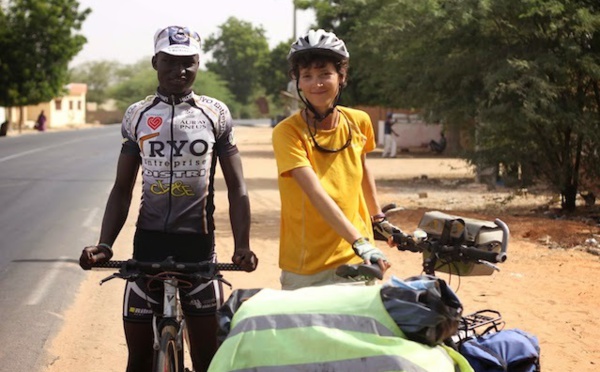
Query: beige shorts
[291, 280]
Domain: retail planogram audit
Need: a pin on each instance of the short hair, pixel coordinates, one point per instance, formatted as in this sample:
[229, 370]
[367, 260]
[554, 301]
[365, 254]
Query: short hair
[317, 59]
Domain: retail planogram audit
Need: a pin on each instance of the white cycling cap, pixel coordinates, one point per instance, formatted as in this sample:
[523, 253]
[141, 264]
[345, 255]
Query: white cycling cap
[177, 41]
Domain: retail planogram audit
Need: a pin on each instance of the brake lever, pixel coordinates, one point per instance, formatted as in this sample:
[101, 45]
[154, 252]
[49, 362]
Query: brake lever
[220, 278]
[488, 264]
[129, 277]
[110, 277]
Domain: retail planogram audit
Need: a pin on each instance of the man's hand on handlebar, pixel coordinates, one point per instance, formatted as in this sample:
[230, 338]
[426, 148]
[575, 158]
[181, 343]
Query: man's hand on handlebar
[363, 248]
[246, 259]
[94, 254]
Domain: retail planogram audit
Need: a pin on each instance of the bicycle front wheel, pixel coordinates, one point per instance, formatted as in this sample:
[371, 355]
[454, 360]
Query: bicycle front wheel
[167, 357]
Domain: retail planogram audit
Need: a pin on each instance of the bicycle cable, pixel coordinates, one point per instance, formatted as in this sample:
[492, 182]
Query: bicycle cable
[163, 276]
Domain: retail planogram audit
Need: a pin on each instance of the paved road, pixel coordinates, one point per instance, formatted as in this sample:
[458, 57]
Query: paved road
[53, 187]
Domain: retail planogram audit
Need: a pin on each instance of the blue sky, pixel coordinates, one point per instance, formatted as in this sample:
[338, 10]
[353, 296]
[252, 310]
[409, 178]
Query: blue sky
[122, 30]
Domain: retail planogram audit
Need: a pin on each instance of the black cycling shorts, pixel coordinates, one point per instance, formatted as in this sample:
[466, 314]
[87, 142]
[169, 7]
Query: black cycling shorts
[142, 297]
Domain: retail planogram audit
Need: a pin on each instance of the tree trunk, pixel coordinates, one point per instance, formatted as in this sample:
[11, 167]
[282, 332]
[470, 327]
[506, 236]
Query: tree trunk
[569, 196]
[21, 118]
[9, 117]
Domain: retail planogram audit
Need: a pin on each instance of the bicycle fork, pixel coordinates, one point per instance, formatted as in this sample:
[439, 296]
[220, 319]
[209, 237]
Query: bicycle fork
[170, 313]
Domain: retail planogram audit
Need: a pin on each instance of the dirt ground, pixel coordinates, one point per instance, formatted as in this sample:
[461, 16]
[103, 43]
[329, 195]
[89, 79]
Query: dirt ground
[547, 286]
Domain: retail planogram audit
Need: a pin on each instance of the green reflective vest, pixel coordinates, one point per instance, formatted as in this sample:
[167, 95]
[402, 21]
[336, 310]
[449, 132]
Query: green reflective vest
[328, 328]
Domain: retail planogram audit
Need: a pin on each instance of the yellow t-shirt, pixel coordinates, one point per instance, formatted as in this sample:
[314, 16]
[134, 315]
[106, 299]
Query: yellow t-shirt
[307, 242]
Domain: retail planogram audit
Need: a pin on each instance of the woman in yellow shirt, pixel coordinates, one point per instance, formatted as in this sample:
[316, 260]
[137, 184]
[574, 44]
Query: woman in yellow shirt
[329, 207]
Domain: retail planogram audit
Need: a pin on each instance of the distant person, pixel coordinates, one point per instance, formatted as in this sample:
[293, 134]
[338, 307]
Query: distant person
[178, 139]
[4, 128]
[40, 123]
[438, 147]
[389, 137]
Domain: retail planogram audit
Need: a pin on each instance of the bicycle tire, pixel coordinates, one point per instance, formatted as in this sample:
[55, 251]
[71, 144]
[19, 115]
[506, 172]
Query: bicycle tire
[167, 357]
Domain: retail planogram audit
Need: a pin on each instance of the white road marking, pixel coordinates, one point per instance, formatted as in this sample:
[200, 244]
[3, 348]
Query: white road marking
[46, 281]
[19, 154]
[90, 219]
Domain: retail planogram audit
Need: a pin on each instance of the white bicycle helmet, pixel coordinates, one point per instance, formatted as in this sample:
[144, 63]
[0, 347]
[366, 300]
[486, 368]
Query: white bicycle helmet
[319, 40]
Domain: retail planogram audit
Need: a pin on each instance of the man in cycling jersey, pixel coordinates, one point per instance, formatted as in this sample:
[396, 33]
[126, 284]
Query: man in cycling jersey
[328, 196]
[176, 137]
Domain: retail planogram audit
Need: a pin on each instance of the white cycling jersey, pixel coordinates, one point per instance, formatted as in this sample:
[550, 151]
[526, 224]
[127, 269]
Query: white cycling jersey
[178, 141]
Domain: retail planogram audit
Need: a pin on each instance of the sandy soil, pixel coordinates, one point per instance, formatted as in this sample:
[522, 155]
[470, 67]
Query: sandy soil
[547, 287]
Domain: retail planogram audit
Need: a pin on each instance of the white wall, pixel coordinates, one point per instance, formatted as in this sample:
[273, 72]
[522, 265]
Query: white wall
[67, 115]
[412, 131]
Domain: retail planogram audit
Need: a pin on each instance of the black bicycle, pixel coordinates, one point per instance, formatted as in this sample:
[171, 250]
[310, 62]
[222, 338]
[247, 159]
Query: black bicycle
[457, 246]
[169, 326]
[463, 247]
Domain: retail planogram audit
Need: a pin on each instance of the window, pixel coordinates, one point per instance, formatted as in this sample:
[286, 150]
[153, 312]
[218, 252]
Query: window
[58, 104]
[70, 105]
[79, 105]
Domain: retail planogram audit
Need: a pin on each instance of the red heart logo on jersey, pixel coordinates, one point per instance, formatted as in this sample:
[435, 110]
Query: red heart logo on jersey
[154, 122]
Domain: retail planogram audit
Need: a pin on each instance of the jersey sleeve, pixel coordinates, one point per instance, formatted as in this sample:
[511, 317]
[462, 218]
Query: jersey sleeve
[129, 141]
[289, 148]
[366, 127]
[219, 114]
[226, 145]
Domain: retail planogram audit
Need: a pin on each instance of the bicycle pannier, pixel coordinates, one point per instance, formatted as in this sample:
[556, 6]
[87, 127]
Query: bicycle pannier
[510, 350]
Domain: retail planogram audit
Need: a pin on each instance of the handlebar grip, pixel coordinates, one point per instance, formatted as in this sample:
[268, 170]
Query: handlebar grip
[109, 265]
[370, 271]
[228, 267]
[478, 254]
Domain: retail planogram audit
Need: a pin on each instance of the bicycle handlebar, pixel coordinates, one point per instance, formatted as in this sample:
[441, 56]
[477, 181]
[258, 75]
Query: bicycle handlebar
[168, 265]
[133, 269]
[505, 235]
[453, 250]
[407, 243]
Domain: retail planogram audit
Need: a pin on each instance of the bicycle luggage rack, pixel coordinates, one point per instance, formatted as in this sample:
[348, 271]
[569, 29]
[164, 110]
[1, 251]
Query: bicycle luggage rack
[469, 323]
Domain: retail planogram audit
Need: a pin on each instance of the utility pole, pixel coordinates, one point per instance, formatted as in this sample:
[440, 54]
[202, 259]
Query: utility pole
[294, 21]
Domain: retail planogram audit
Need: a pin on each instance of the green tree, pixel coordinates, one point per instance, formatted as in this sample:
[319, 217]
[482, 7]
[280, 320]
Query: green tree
[142, 82]
[522, 75]
[545, 92]
[239, 54]
[274, 74]
[99, 77]
[38, 39]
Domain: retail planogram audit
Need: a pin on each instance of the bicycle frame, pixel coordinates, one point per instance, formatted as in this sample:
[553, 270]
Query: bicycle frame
[171, 311]
[168, 328]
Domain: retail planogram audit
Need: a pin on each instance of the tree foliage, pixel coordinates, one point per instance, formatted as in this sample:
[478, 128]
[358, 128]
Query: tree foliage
[521, 75]
[38, 39]
[274, 74]
[99, 77]
[239, 52]
[142, 82]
